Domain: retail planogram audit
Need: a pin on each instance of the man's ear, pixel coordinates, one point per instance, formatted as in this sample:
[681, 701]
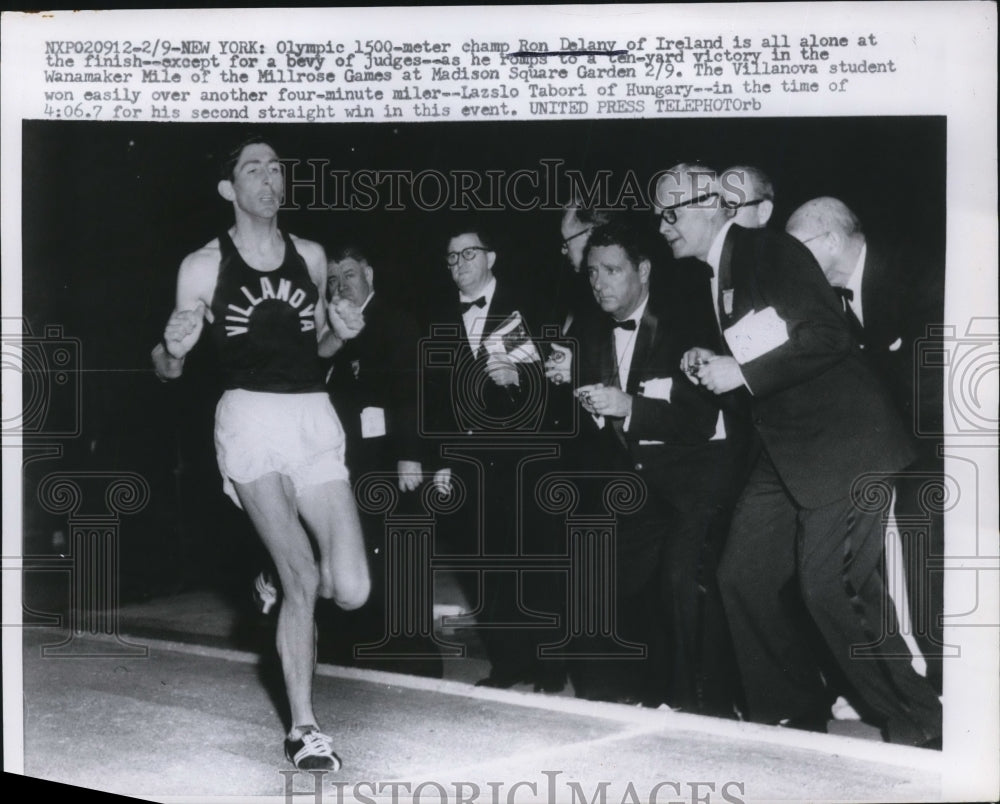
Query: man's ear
[491, 257]
[369, 275]
[225, 188]
[764, 211]
[644, 269]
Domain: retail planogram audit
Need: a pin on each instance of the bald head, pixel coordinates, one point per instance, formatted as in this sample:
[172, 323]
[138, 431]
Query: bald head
[750, 192]
[688, 201]
[828, 228]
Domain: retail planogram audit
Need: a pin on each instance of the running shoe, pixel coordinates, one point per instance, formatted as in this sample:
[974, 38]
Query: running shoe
[265, 593]
[313, 750]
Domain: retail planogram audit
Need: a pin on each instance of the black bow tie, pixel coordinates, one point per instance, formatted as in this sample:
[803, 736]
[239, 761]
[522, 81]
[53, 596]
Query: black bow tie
[844, 293]
[466, 306]
[628, 323]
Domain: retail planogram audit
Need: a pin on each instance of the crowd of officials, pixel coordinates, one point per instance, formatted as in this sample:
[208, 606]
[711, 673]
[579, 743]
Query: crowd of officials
[756, 397]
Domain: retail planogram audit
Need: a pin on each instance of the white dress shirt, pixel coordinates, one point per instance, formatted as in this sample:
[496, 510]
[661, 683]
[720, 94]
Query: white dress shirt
[854, 284]
[714, 259]
[475, 317]
[625, 343]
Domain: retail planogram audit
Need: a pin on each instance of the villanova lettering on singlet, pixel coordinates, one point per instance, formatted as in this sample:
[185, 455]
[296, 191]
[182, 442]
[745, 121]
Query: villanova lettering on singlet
[265, 325]
[240, 316]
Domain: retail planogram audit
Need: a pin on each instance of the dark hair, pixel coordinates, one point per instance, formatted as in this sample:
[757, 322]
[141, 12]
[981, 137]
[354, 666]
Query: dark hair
[758, 178]
[591, 216]
[350, 251]
[620, 233]
[474, 228]
[229, 160]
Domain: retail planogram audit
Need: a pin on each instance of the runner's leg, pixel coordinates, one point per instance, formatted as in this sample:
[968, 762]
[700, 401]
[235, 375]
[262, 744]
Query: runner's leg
[329, 512]
[270, 503]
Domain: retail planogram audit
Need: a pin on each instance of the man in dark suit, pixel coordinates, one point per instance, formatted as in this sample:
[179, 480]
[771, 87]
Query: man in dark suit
[824, 422]
[481, 391]
[373, 378]
[647, 419]
[891, 299]
[372, 382]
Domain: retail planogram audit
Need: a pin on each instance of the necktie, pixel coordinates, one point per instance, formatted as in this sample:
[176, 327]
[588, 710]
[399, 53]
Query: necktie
[628, 323]
[466, 306]
[846, 296]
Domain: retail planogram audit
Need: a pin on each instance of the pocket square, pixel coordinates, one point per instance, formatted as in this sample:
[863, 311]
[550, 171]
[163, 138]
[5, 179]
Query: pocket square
[894, 346]
[657, 388]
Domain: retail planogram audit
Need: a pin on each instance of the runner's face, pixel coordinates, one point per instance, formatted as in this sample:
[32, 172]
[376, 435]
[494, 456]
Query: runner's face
[258, 182]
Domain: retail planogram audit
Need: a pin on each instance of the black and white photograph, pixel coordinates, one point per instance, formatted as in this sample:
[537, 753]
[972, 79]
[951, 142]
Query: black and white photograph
[554, 458]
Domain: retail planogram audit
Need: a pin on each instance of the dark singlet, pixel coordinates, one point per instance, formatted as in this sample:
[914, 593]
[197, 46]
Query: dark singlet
[265, 326]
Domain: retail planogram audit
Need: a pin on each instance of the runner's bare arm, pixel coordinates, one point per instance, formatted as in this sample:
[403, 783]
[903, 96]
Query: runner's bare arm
[195, 285]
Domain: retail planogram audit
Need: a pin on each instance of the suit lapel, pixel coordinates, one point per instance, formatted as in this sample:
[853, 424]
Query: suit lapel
[726, 287]
[608, 363]
[743, 262]
[645, 336]
[610, 376]
[454, 313]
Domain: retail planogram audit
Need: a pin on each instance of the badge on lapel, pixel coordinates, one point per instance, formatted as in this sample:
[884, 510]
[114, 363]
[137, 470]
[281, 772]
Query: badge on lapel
[727, 301]
[355, 368]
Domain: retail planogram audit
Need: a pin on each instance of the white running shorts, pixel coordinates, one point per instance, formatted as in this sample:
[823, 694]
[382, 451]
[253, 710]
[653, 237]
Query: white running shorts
[297, 435]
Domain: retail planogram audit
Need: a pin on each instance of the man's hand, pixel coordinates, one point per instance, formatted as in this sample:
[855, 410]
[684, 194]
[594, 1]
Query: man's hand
[604, 400]
[694, 358]
[164, 366]
[558, 366]
[720, 375]
[411, 475]
[442, 481]
[502, 370]
[183, 330]
[346, 318]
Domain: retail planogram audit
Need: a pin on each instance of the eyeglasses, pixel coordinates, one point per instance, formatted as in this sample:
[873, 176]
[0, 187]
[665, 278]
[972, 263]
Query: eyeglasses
[814, 237]
[754, 203]
[669, 214]
[565, 243]
[468, 254]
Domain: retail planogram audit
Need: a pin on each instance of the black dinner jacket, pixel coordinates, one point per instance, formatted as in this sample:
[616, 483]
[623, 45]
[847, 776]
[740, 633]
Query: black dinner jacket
[822, 414]
[685, 423]
[902, 298]
[379, 368]
[460, 397]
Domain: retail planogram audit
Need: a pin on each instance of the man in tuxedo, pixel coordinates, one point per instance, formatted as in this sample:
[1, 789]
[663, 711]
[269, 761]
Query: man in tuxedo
[647, 419]
[572, 301]
[750, 193]
[891, 300]
[572, 295]
[372, 381]
[481, 393]
[373, 378]
[806, 515]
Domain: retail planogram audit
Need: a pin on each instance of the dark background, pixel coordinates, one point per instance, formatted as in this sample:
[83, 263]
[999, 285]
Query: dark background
[110, 210]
